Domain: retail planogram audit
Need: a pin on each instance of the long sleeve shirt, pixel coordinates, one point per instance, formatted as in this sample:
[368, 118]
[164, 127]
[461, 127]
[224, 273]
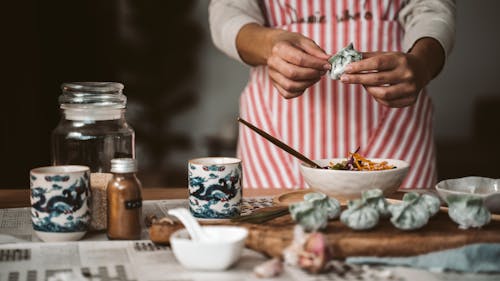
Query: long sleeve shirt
[419, 18]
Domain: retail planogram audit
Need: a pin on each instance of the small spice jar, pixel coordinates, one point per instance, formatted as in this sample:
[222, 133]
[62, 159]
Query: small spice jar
[124, 201]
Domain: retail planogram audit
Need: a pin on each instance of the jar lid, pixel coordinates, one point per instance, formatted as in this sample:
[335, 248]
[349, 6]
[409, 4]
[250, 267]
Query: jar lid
[92, 95]
[123, 165]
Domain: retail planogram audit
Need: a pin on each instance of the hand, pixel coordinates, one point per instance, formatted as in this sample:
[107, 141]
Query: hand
[295, 63]
[395, 79]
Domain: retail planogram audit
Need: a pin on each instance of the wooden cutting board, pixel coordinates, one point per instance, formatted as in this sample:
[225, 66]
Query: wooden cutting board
[384, 240]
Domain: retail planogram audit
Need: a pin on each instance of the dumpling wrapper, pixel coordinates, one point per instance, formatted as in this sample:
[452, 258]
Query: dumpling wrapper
[375, 198]
[468, 211]
[408, 216]
[314, 212]
[430, 202]
[341, 59]
[360, 215]
[411, 214]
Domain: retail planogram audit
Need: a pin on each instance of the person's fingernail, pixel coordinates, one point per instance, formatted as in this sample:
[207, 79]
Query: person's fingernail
[327, 66]
[344, 78]
[348, 68]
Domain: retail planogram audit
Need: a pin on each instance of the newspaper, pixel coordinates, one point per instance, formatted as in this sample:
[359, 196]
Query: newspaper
[15, 223]
[24, 257]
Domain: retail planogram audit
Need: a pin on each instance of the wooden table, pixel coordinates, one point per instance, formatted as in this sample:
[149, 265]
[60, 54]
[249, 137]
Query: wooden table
[12, 198]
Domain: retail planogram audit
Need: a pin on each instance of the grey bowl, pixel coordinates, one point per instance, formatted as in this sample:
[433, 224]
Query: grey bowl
[486, 188]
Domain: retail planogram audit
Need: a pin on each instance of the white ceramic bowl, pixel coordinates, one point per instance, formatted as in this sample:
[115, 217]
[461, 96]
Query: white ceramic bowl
[218, 254]
[486, 188]
[349, 184]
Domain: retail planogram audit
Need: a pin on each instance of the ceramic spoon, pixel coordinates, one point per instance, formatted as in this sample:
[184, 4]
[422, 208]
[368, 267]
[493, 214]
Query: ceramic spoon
[190, 223]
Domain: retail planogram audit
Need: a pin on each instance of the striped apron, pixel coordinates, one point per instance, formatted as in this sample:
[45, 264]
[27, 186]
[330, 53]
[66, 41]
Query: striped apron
[331, 119]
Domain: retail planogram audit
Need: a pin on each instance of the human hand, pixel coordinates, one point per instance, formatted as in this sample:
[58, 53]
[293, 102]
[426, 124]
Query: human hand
[295, 63]
[394, 79]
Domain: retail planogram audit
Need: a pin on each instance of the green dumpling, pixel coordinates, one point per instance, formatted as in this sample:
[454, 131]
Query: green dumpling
[468, 211]
[407, 216]
[341, 59]
[375, 198]
[314, 212]
[430, 202]
[360, 215]
[411, 214]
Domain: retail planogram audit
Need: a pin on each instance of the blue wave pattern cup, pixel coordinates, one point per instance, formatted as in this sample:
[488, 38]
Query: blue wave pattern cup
[215, 190]
[60, 202]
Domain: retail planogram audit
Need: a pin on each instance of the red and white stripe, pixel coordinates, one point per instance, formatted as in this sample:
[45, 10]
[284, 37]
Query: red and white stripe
[331, 119]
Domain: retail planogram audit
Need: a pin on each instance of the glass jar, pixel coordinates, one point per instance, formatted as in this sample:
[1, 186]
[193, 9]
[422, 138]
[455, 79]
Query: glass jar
[92, 129]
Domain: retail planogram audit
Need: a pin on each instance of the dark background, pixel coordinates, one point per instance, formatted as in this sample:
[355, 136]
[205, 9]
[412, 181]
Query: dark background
[51, 42]
[183, 93]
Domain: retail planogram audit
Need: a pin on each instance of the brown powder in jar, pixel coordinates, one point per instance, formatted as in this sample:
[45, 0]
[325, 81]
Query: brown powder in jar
[98, 201]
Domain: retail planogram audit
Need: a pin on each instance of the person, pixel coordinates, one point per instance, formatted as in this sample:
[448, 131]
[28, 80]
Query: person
[380, 104]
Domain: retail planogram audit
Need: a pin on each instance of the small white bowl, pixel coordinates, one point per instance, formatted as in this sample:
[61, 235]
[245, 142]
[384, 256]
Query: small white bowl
[486, 188]
[343, 184]
[217, 254]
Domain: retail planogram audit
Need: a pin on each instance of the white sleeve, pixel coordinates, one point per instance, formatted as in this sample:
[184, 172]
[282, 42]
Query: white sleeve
[227, 17]
[428, 18]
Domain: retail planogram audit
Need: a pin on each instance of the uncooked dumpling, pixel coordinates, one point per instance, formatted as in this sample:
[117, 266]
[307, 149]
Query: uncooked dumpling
[411, 213]
[430, 202]
[468, 211]
[341, 59]
[314, 212]
[375, 198]
[360, 215]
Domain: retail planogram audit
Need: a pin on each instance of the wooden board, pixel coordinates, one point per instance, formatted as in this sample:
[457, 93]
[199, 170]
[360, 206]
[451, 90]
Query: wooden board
[384, 240]
[288, 198]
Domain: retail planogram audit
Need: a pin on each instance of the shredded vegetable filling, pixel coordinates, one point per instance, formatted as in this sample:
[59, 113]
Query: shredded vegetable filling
[356, 162]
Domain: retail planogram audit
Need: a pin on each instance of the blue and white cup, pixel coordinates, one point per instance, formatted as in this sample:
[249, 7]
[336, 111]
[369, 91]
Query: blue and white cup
[215, 190]
[60, 202]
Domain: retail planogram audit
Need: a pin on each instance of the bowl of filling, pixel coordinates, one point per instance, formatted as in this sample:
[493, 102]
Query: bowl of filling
[487, 189]
[346, 178]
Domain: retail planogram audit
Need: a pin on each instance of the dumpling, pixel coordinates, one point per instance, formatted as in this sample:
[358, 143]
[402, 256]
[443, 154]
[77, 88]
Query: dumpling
[411, 214]
[323, 202]
[341, 59]
[430, 202]
[408, 216]
[314, 212]
[375, 198]
[468, 211]
[360, 215]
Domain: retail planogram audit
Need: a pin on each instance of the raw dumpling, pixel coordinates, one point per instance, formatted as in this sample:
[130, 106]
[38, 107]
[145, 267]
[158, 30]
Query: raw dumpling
[314, 212]
[430, 202]
[360, 215]
[408, 216]
[375, 198]
[341, 59]
[468, 211]
[323, 202]
[411, 214]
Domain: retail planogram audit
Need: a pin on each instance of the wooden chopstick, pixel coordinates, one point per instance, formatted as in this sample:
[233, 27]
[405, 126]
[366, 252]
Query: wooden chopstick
[280, 144]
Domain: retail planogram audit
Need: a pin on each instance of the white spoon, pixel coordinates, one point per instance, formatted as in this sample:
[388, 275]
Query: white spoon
[191, 224]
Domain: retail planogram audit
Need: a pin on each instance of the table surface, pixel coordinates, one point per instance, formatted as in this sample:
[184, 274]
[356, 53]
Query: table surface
[12, 198]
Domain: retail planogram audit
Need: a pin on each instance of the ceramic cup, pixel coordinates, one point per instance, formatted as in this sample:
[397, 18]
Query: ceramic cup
[60, 202]
[215, 187]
